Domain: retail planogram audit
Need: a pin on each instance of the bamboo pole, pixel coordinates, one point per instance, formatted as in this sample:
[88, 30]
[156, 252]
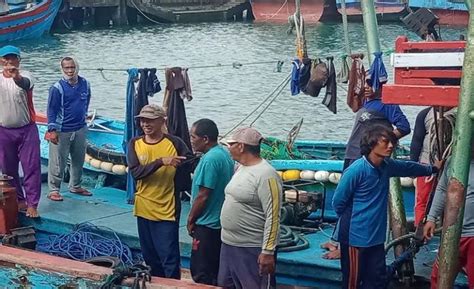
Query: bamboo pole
[370, 27]
[459, 168]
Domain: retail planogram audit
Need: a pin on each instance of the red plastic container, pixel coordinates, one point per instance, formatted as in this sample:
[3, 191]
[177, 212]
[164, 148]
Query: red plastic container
[8, 205]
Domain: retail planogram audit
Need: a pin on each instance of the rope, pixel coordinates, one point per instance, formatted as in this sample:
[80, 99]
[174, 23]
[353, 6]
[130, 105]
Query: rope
[139, 272]
[279, 87]
[143, 14]
[84, 243]
[235, 65]
[276, 13]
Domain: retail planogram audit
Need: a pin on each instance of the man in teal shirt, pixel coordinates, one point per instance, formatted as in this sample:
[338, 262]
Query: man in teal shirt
[211, 176]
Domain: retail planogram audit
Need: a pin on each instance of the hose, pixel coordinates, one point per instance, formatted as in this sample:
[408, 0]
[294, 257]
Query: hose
[400, 239]
[291, 241]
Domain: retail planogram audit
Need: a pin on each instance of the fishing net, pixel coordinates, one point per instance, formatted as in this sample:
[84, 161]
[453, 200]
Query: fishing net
[276, 149]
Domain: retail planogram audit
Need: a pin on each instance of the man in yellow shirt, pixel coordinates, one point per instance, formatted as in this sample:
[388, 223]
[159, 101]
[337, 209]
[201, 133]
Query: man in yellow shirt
[157, 163]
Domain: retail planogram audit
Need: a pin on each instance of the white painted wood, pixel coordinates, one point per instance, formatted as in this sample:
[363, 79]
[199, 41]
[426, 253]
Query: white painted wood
[441, 59]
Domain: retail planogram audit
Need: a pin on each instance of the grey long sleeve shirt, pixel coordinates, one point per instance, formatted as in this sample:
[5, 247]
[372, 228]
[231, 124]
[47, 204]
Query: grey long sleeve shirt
[439, 201]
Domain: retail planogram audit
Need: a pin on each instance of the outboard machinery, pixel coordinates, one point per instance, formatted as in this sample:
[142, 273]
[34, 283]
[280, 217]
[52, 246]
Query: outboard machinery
[302, 198]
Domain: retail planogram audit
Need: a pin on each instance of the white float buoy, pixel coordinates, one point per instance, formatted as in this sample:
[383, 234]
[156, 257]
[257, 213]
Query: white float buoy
[334, 178]
[307, 175]
[406, 181]
[95, 163]
[106, 166]
[87, 158]
[119, 169]
[321, 176]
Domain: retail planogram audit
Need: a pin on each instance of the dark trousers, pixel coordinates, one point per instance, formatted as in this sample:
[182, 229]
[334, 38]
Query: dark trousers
[22, 145]
[205, 255]
[159, 243]
[363, 267]
[239, 269]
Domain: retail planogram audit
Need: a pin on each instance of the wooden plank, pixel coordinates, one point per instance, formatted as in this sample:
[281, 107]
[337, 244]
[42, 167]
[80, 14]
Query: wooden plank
[420, 95]
[449, 59]
[432, 73]
[402, 44]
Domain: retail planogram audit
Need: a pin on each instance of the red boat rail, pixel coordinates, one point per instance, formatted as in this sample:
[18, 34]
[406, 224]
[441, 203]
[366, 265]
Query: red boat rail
[426, 73]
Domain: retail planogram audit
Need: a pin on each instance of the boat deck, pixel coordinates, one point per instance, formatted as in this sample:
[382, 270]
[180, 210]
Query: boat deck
[108, 207]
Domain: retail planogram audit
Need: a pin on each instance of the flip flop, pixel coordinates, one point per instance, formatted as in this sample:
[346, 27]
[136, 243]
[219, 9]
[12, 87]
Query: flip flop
[55, 196]
[81, 192]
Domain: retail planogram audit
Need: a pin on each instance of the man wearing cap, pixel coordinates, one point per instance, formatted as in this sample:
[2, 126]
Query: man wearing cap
[19, 138]
[212, 174]
[68, 103]
[250, 217]
[157, 163]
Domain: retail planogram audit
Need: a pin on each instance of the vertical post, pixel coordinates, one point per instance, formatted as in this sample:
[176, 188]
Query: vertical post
[370, 27]
[346, 27]
[456, 195]
[468, 4]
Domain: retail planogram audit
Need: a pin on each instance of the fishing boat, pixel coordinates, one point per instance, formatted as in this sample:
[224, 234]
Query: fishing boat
[21, 19]
[386, 10]
[278, 11]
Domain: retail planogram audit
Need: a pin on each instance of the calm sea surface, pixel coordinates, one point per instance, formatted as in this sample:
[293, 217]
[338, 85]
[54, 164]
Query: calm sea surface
[223, 94]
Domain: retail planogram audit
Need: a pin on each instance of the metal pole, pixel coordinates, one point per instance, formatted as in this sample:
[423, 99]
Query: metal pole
[459, 168]
[371, 28]
[346, 27]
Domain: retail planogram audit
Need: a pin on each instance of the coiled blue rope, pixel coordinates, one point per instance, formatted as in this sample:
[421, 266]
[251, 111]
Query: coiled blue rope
[87, 241]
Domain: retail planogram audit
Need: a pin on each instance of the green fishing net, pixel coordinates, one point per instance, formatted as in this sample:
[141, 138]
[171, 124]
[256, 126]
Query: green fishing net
[276, 149]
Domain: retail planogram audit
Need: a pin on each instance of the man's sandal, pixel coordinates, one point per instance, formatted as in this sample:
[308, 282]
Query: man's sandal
[55, 196]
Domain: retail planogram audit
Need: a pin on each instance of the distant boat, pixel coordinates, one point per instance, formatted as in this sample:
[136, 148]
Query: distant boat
[449, 12]
[278, 11]
[22, 19]
[387, 10]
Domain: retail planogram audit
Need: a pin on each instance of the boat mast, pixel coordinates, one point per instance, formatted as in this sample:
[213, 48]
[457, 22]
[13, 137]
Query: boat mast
[459, 168]
[371, 27]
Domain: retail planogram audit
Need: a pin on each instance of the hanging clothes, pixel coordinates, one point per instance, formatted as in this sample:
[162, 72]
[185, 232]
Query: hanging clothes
[295, 77]
[330, 98]
[148, 85]
[318, 79]
[343, 73]
[130, 130]
[378, 73]
[355, 90]
[304, 73]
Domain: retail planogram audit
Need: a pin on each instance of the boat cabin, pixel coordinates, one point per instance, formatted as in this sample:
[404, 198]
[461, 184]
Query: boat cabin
[425, 73]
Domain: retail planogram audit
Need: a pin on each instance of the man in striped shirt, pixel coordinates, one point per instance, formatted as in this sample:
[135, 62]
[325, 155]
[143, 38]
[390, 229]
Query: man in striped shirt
[250, 217]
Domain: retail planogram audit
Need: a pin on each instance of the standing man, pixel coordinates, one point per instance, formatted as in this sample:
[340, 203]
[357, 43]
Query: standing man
[360, 201]
[466, 244]
[423, 149]
[19, 138]
[68, 103]
[155, 161]
[250, 217]
[211, 176]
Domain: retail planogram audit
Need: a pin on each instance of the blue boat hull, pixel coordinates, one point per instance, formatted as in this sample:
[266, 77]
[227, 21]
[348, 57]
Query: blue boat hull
[29, 24]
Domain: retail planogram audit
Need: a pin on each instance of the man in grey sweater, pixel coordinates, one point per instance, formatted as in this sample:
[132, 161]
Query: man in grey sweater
[466, 245]
[250, 217]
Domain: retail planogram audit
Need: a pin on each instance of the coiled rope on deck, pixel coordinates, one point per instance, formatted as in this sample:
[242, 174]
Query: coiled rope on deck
[87, 241]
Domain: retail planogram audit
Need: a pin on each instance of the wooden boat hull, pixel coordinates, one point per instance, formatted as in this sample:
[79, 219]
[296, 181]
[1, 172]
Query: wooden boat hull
[278, 11]
[386, 11]
[29, 24]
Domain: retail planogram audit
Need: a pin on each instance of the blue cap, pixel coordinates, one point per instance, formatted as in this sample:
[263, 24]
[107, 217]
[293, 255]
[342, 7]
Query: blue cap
[9, 49]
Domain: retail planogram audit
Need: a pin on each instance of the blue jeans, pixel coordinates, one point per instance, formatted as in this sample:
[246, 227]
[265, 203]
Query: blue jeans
[160, 247]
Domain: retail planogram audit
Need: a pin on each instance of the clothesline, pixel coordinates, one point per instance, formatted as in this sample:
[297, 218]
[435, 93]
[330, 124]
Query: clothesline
[236, 65]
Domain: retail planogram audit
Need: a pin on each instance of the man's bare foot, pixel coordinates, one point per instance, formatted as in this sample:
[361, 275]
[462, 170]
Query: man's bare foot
[332, 255]
[22, 206]
[32, 212]
[329, 246]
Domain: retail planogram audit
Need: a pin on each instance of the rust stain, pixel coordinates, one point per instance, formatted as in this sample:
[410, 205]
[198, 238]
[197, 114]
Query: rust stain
[454, 198]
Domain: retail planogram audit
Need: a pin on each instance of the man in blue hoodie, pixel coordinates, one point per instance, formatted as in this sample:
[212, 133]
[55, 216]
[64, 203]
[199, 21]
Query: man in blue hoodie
[360, 201]
[68, 103]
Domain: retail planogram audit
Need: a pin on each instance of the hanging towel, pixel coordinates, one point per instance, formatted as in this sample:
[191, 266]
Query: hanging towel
[130, 130]
[148, 85]
[330, 99]
[295, 77]
[355, 90]
[343, 73]
[186, 93]
[378, 74]
[152, 83]
[318, 79]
